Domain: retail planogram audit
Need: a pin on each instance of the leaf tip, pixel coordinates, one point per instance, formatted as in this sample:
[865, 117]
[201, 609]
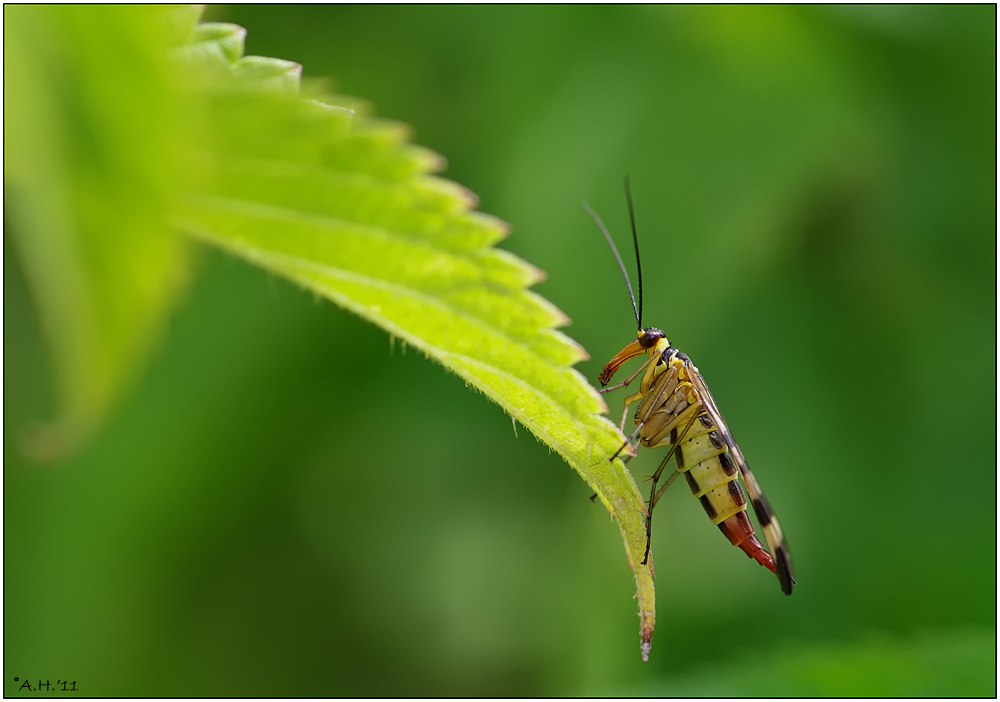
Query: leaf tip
[435, 162]
[579, 352]
[469, 199]
[535, 275]
[498, 228]
[561, 319]
[501, 226]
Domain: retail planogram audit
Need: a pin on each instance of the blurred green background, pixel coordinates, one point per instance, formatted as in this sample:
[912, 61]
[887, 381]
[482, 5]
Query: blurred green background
[815, 196]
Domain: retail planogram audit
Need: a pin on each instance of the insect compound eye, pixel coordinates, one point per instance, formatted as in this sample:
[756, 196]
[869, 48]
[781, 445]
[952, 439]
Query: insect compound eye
[650, 337]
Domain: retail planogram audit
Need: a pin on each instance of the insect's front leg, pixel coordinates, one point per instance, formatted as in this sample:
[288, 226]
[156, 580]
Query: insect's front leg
[628, 401]
[629, 379]
[621, 427]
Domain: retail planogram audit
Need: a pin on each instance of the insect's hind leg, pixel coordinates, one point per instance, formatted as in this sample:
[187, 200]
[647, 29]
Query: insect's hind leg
[653, 496]
[663, 489]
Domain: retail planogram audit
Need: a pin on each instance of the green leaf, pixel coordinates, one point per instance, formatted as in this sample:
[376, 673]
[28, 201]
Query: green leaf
[90, 134]
[125, 126]
[345, 207]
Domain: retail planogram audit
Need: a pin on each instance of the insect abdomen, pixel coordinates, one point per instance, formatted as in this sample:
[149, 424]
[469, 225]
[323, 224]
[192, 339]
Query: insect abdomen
[713, 479]
[719, 492]
[739, 531]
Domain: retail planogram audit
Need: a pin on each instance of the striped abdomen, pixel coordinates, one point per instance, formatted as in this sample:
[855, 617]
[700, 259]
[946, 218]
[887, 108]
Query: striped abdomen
[704, 460]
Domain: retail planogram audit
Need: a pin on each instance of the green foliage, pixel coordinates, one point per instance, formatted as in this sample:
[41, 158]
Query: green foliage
[278, 504]
[91, 135]
[339, 203]
[346, 208]
[944, 665]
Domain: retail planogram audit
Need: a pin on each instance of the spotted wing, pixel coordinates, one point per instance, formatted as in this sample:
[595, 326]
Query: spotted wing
[761, 507]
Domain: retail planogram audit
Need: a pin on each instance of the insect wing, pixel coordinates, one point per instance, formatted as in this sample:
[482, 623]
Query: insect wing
[761, 507]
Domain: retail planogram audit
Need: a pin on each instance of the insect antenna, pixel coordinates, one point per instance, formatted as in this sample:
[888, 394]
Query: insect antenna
[635, 240]
[614, 249]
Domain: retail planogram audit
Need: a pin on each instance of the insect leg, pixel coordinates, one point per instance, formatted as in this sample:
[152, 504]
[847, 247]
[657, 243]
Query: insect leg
[629, 379]
[663, 489]
[625, 461]
[656, 477]
[627, 442]
[652, 398]
[628, 401]
[656, 396]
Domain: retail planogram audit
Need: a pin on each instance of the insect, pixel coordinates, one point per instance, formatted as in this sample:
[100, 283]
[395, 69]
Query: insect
[676, 409]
